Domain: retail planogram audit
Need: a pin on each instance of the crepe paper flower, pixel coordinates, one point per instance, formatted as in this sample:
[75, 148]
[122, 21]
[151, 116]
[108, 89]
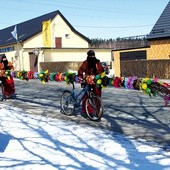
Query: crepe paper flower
[125, 83]
[30, 75]
[167, 85]
[97, 76]
[149, 81]
[99, 81]
[155, 79]
[76, 79]
[166, 99]
[43, 76]
[52, 76]
[17, 74]
[13, 74]
[145, 79]
[103, 74]
[130, 82]
[105, 81]
[110, 81]
[137, 84]
[23, 75]
[144, 86]
[117, 82]
[148, 90]
[8, 74]
[90, 79]
[59, 77]
[62, 76]
[69, 77]
[35, 75]
[149, 86]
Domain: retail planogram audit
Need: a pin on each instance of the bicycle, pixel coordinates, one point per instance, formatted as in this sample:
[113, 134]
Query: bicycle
[71, 100]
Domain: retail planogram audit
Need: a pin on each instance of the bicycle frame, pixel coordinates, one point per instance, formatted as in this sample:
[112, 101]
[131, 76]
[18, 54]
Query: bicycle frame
[81, 93]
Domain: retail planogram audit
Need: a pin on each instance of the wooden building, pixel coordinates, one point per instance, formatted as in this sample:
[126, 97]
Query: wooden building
[151, 60]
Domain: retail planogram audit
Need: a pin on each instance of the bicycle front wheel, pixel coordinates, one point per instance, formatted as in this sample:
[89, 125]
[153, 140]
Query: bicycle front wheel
[67, 103]
[94, 108]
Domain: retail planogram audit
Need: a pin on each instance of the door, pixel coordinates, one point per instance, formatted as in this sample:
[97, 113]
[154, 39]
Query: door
[33, 62]
[58, 42]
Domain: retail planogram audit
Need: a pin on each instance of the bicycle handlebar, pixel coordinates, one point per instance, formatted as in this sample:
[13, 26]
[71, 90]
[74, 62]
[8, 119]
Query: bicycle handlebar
[77, 79]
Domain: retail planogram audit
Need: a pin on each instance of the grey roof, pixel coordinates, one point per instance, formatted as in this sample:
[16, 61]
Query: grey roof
[27, 29]
[161, 29]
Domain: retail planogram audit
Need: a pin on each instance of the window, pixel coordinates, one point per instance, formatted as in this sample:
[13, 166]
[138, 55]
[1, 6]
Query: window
[67, 36]
[6, 49]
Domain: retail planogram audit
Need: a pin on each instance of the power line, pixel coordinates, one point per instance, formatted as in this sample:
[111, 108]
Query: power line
[130, 26]
[95, 8]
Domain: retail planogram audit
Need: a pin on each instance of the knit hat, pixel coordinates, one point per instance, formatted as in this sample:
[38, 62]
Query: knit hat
[2, 56]
[91, 53]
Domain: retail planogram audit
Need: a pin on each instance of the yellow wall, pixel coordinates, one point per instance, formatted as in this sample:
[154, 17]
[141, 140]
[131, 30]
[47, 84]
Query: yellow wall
[159, 49]
[116, 63]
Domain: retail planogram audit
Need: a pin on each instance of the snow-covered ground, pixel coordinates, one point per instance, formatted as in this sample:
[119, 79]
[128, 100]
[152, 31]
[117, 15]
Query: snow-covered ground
[36, 142]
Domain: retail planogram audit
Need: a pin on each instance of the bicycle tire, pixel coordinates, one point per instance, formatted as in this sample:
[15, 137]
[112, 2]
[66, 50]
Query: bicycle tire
[67, 103]
[94, 107]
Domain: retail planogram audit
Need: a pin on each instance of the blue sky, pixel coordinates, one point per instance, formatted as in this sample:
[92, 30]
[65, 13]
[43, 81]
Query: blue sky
[93, 18]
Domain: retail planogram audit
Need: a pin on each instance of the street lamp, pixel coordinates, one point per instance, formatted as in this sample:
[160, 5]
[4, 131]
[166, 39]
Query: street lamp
[36, 52]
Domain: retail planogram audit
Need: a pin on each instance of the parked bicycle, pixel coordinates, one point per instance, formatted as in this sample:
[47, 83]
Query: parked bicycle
[71, 100]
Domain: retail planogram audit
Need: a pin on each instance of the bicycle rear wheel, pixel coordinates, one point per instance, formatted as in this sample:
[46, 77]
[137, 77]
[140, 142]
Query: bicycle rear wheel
[94, 108]
[67, 103]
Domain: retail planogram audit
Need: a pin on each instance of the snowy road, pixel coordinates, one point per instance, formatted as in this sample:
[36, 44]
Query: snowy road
[128, 112]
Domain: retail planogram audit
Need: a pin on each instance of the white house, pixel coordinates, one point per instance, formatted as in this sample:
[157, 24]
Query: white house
[48, 38]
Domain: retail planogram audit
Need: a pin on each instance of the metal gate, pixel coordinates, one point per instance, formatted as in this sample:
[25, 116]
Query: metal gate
[131, 65]
[146, 68]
